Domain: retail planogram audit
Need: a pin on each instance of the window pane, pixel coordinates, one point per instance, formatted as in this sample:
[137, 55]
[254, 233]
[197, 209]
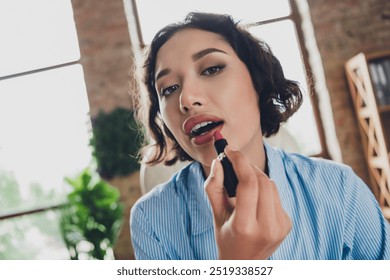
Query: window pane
[302, 125]
[44, 128]
[32, 237]
[36, 34]
[154, 15]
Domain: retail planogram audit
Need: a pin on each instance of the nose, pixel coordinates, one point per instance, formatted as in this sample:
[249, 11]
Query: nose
[191, 97]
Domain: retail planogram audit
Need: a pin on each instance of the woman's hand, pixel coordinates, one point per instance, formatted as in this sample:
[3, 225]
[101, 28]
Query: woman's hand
[256, 226]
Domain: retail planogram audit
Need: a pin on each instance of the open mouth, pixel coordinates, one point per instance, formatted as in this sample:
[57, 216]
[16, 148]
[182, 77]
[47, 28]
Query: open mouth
[203, 128]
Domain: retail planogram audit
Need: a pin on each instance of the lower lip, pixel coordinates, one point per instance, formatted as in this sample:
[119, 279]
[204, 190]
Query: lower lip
[205, 138]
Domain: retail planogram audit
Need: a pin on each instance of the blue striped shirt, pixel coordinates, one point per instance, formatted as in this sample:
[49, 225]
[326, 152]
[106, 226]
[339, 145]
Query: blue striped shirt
[334, 214]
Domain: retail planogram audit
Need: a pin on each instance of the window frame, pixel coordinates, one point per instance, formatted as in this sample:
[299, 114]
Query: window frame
[294, 16]
[48, 207]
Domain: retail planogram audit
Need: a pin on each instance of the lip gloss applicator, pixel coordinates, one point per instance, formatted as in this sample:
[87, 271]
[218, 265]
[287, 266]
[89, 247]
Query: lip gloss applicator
[230, 180]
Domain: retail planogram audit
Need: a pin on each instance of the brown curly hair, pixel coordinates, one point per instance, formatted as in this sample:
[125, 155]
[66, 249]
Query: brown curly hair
[279, 98]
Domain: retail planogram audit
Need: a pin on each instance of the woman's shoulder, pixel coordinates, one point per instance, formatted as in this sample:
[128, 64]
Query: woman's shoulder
[300, 161]
[315, 168]
[166, 192]
[316, 162]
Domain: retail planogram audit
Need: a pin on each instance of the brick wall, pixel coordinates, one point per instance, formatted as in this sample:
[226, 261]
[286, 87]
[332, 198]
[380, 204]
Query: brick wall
[106, 56]
[106, 53]
[343, 29]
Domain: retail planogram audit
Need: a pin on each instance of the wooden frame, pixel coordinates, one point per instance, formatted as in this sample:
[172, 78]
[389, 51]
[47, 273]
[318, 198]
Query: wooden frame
[371, 129]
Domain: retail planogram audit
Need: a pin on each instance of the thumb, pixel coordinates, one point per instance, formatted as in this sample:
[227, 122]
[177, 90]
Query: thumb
[216, 193]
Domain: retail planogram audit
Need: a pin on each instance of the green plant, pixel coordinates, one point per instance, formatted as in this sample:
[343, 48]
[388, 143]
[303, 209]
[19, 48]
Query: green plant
[93, 218]
[115, 141]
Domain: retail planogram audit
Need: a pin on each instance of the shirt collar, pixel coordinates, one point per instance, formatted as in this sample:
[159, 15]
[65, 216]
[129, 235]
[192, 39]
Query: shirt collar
[277, 173]
[199, 206]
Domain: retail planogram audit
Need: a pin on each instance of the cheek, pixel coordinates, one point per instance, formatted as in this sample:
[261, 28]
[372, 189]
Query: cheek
[248, 110]
[241, 89]
[245, 109]
[253, 108]
[251, 98]
[169, 116]
[243, 98]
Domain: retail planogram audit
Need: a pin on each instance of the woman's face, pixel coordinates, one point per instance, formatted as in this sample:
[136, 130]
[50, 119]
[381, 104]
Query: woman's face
[203, 86]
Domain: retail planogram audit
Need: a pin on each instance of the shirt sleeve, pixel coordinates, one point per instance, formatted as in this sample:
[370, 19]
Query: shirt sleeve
[145, 242]
[367, 232]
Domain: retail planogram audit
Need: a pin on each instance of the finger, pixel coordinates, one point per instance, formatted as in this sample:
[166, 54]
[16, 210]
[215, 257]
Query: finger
[247, 188]
[216, 193]
[270, 209]
[261, 173]
[267, 195]
[268, 199]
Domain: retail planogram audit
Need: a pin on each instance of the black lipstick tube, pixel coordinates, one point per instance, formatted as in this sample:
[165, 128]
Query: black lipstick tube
[230, 180]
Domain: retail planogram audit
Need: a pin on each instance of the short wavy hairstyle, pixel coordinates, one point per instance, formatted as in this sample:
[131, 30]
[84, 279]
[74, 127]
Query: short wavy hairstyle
[279, 98]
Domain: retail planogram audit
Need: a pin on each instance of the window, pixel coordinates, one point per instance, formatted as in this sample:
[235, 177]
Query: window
[270, 20]
[44, 124]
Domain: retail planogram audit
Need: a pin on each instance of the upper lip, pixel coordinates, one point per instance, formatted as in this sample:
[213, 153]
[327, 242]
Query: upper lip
[192, 121]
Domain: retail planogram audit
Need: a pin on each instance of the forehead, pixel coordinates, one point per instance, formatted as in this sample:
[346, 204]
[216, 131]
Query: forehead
[189, 41]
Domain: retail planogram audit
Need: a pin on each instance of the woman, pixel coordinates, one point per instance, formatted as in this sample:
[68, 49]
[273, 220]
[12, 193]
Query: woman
[207, 74]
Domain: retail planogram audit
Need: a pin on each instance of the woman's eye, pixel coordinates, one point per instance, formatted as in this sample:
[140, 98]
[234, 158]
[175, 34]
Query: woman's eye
[212, 70]
[169, 90]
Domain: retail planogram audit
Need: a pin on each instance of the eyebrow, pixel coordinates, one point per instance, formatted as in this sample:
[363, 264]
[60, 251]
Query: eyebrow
[162, 73]
[205, 52]
[195, 57]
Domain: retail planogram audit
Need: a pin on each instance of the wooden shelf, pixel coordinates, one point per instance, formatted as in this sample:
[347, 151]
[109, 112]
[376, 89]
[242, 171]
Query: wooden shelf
[374, 126]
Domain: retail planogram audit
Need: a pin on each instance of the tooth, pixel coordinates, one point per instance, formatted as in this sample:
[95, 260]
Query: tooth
[199, 125]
